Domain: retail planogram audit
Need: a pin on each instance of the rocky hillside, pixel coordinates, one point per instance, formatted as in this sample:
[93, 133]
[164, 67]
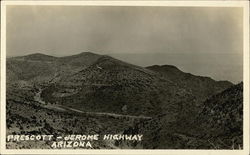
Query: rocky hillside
[86, 85]
[108, 85]
[42, 68]
[219, 125]
[221, 119]
[201, 87]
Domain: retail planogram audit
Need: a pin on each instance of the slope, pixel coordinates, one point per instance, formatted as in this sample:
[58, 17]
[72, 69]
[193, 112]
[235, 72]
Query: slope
[110, 85]
[201, 87]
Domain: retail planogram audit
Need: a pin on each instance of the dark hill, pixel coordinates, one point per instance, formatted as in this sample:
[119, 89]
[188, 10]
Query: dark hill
[83, 59]
[29, 69]
[201, 87]
[37, 57]
[219, 125]
[221, 120]
[110, 85]
[43, 68]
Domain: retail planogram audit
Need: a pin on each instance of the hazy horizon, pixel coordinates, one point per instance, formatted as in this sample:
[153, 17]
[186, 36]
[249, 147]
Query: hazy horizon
[206, 41]
[204, 66]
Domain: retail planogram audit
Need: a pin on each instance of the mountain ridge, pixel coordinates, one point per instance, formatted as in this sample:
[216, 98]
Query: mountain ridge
[90, 83]
[201, 86]
[176, 68]
[41, 55]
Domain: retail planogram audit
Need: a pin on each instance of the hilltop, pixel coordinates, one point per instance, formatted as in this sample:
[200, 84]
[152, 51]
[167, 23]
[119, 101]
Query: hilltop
[201, 87]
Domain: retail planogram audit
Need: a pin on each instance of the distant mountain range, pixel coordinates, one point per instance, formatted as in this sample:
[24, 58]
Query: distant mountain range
[95, 83]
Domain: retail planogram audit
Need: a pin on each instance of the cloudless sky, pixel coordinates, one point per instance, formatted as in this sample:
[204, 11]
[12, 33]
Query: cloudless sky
[193, 38]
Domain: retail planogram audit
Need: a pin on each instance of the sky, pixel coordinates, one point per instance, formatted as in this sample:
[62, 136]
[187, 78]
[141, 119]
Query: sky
[202, 40]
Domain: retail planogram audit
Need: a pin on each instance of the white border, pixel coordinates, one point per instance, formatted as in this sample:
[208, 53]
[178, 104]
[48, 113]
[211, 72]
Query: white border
[243, 4]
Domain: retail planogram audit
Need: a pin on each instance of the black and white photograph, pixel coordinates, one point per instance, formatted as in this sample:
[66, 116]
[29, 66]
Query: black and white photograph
[125, 77]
